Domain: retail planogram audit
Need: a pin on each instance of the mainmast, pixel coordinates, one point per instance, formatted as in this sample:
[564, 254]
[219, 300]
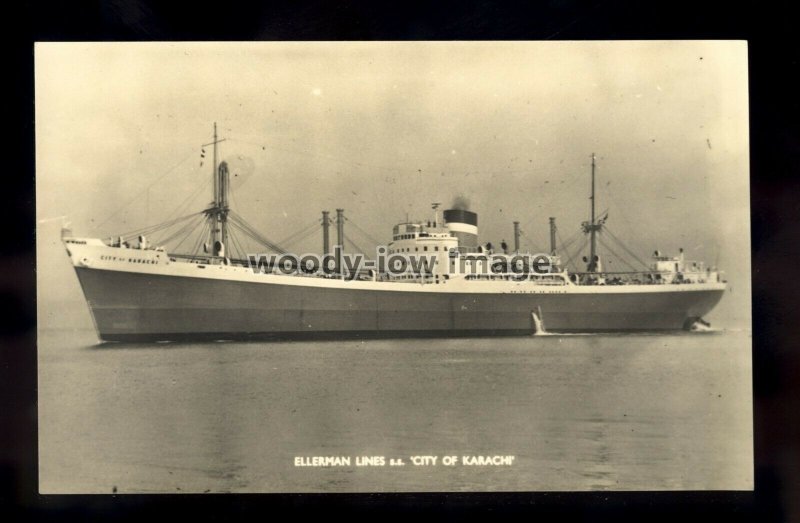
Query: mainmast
[591, 228]
[593, 234]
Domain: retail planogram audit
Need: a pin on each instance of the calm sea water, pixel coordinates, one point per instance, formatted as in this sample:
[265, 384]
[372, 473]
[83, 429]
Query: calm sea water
[591, 412]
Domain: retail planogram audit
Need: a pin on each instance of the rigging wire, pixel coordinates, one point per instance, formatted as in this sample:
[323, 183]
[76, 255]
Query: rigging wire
[252, 233]
[232, 196]
[563, 245]
[294, 236]
[201, 224]
[256, 236]
[235, 244]
[299, 239]
[535, 242]
[242, 246]
[618, 209]
[530, 241]
[188, 235]
[577, 252]
[354, 245]
[234, 226]
[185, 204]
[236, 248]
[147, 188]
[630, 253]
[187, 228]
[362, 231]
[231, 251]
[157, 227]
[162, 240]
[247, 241]
[617, 256]
[202, 236]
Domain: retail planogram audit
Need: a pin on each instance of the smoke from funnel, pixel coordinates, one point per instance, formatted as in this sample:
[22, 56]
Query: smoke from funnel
[460, 202]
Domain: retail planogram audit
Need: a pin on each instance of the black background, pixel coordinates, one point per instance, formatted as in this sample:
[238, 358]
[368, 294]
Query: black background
[775, 213]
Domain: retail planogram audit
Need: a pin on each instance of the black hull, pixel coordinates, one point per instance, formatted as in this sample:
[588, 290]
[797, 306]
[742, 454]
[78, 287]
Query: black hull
[136, 307]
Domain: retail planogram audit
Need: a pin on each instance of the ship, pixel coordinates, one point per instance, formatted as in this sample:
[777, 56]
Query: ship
[140, 291]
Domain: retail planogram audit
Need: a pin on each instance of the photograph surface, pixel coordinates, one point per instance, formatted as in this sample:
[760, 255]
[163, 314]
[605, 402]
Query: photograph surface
[393, 267]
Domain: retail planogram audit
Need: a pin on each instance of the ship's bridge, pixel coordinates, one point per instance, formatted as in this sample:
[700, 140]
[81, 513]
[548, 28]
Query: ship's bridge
[423, 239]
[457, 225]
[453, 241]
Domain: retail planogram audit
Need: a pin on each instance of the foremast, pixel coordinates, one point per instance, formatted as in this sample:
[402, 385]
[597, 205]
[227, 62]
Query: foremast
[217, 214]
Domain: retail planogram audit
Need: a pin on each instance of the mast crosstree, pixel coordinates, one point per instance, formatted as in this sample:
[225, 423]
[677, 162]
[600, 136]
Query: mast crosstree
[217, 214]
[592, 227]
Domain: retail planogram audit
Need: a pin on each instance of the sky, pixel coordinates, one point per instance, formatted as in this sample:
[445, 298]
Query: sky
[384, 129]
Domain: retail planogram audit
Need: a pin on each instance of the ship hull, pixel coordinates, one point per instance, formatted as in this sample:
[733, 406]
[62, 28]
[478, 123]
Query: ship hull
[132, 307]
